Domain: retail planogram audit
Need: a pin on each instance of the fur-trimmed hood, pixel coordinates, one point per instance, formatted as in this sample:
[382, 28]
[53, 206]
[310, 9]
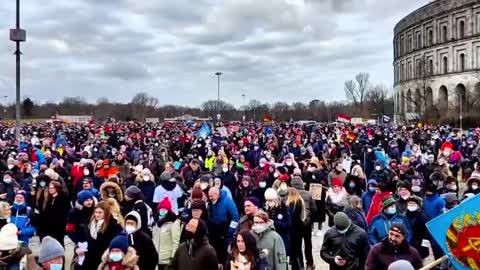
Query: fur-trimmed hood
[129, 261]
[115, 186]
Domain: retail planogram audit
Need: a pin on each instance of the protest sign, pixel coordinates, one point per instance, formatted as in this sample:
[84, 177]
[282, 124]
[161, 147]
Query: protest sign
[316, 191]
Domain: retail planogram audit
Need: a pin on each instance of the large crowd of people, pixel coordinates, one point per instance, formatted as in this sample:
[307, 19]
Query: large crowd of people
[249, 196]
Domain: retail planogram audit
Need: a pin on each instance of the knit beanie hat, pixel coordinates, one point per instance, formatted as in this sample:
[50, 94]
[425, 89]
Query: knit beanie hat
[132, 192]
[271, 194]
[22, 193]
[84, 195]
[120, 242]
[50, 249]
[415, 199]
[399, 228]
[337, 182]
[166, 203]
[386, 202]
[341, 221]
[8, 237]
[254, 201]
[197, 194]
[282, 170]
[401, 265]
[165, 176]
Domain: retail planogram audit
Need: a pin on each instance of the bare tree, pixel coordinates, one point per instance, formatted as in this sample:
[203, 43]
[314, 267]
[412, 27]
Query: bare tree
[356, 91]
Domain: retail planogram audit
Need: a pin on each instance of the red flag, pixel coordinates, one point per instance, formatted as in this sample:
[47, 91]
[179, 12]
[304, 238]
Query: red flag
[343, 118]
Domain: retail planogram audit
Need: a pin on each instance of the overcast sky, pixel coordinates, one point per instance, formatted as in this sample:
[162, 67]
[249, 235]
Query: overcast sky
[271, 50]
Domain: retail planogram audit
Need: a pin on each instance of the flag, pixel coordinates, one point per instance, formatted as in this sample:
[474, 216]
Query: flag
[351, 136]
[267, 119]
[204, 131]
[457, 232]
[343, 118]
[268, 130]
[386, 119]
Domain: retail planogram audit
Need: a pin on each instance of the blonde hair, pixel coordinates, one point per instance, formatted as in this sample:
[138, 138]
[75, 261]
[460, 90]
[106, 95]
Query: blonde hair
[293, 199]
[3, 206]
[115, 211]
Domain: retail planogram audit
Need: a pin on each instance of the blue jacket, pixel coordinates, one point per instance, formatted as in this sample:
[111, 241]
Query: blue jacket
[21, 215]
[367, 196]
[433, 205]
[223, 215]
[380, 226]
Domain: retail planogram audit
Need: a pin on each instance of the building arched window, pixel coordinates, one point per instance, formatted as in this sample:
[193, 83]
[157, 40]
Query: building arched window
[430, 37]
[462, 62]
[419, 41]
[461, 30]
[430, 66]
[445, 64]
[444, 33]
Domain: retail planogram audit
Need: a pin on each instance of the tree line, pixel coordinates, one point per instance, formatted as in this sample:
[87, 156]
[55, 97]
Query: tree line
[363, 100]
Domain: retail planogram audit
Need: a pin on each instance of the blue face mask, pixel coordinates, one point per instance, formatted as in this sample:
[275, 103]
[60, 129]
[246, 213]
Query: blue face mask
[351, 185]
[392, 210]
[55, 266]
[43, 184]
[372, 189]
[163, 213]
[115, 257]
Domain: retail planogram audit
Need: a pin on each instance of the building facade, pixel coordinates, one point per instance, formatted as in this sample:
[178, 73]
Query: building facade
[437, 58]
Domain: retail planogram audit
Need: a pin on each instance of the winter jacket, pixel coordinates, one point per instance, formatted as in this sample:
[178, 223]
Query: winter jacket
[117, 191]
[383, 254]
[198, 255]
[380, 226]
[376, 205]
[310, 206]
[272, 242]
[148, 189]
[53, 221]
[223, 217]
[21, 215]
[418, 221]
[240, 195]
[123, 168]
[10, 190]
[146, 251]
[229, 181]
[174, 194]
[353, 246]
[282, 223]
[166, 240]
[77, 222]
[357, 217]
[190, 176]
[96, 247]
[334, 174]
[433, 205]
[129, 261]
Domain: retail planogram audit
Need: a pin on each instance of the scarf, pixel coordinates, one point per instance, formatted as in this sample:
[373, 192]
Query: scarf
[95, 227]
[240, 262]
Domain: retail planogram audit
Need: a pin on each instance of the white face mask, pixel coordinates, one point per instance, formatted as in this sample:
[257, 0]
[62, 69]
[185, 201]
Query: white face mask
[262, 184]
[475, 187]
[203, 186]
[130, 229]
[289, 163]
[311, 169]
[146, 178]
[412, 208]
[262, 165]
[259, 228]
[453, 187]
[276, 175]
[86, 172]
[416, 188]
[225, 170]
[378, 168]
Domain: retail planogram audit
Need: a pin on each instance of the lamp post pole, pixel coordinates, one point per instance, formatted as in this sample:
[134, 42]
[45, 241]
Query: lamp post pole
[17, 35]
[218, 95]
[243, 117]
[5, 107]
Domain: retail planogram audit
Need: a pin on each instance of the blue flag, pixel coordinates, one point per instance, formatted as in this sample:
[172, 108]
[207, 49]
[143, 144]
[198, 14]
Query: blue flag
[457, 232]
[268, 131]
[204, 131]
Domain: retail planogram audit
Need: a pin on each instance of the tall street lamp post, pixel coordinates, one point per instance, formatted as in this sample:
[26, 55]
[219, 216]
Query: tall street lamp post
[17, 35]
[218, 95]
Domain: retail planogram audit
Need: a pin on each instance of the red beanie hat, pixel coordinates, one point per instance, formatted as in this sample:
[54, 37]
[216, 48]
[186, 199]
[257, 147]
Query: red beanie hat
[166, 203]
[337, 182]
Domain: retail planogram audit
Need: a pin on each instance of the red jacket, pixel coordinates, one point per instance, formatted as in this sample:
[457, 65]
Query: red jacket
[376, 205]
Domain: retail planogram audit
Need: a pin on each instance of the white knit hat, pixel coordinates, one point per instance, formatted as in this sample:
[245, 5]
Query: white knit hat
[271, 194]
[8, 237]
[401, 265]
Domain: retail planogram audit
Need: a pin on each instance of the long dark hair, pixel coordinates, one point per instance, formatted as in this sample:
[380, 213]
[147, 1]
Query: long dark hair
[250, 247]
